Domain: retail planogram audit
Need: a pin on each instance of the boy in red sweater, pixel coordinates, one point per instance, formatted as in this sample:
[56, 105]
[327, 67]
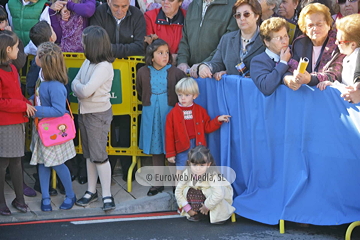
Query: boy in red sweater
[187, 123]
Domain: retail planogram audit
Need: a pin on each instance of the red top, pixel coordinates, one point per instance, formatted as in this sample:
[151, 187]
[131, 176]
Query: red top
[176, 141]
[169, 32]
[189, 120]
[12, 102]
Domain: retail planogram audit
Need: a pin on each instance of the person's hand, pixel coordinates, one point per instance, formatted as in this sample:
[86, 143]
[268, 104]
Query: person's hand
[224, 118]
[204, 71]
[183, 67]
[30, 110]
[323, 85]
[353, 94]
[291, 83]
[204, 210]
[218, 75]
[65, 14]
[193, 71]
[285, 54]
[191, 212]
[171, 159]
[302, 78]
[174, 56]
[58, 5]
[8, 28]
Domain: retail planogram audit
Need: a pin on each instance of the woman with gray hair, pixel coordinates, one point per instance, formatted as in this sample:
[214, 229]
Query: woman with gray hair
[269, 8]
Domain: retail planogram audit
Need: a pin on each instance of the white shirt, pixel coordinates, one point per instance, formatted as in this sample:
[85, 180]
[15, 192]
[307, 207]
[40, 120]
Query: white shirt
[349, 65]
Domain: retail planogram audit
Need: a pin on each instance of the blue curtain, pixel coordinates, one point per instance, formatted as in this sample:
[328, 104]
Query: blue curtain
[296, 154]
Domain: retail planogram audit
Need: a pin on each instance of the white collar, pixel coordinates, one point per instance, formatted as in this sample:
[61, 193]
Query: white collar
[272, 55]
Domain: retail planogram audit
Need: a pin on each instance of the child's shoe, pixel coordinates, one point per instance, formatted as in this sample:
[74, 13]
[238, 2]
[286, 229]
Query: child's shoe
[46, 207]
[67, 206]
[194, 218]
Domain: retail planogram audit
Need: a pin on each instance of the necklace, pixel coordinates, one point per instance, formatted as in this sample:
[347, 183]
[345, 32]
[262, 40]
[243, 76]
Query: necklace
[245, 40]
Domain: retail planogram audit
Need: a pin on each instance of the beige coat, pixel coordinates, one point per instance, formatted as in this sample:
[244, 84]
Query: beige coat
[218, 193]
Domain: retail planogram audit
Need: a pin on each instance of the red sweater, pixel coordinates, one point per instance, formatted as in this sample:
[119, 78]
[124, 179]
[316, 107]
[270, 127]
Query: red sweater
[170, 33]
[176, 137]
[12, 102]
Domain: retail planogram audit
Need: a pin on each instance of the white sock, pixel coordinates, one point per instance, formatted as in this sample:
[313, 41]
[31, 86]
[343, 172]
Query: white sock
[104, 171]
[92, 175]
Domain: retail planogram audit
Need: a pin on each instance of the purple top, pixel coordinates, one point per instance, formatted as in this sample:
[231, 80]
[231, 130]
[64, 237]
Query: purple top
[85, 9]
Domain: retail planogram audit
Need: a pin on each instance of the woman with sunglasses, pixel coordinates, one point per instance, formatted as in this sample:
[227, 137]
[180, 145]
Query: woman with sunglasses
[236, 49]
[268, 68]
[347, 7]
[318, 45]
[348, 41]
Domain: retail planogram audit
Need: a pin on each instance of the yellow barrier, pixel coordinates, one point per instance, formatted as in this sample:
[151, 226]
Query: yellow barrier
[350, 229]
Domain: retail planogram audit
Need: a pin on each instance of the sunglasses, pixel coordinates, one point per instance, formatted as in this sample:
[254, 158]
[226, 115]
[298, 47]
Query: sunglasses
[238, 15]
[341, 41]
[344, 1]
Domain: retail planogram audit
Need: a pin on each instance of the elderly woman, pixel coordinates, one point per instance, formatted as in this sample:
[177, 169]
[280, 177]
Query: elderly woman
[268, 68]
[236, 49]
[167, 23]
[347, 7]
[348, 41]
[318, 45]
[205, 23]
[269, 8]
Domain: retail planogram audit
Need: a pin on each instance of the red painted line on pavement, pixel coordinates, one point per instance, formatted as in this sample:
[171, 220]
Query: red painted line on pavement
[91, 218]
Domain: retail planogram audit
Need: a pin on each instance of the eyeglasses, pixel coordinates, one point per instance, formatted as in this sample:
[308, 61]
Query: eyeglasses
[344, 1]
[279, 38]
[338, 42]
[238, 15]
[317, 25]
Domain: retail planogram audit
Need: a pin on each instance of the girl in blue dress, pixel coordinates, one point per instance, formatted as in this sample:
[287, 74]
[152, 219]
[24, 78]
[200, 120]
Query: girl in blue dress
[155, 85]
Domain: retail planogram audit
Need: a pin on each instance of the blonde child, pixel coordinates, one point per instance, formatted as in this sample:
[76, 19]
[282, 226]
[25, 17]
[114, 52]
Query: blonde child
[201, 191]
[50, 101]
[187, 123]
[92, 87]
[14, 109]
[155, 85]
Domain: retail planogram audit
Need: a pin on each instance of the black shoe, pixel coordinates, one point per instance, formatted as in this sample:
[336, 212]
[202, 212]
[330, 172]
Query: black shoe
[82, 179]
[83, 202]
[73, 177]
[108, 205]
[155, 190]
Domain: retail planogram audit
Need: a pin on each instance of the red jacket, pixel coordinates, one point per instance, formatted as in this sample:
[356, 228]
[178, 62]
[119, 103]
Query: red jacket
[12, 102]
[170, 33]
[176, 138]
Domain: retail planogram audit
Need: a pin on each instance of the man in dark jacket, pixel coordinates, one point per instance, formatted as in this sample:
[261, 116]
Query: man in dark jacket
[125, 25]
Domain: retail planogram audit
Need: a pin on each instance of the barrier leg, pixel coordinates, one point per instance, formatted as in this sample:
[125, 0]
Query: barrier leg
[129, 177]
[233, 217]
[138, 161]
[282, 226]
[350, 229]
[53, 176]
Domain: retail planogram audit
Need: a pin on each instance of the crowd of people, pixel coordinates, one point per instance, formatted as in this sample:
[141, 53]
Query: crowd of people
[264, 40]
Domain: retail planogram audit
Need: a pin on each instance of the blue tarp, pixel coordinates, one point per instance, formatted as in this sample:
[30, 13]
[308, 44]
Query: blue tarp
[296, 153]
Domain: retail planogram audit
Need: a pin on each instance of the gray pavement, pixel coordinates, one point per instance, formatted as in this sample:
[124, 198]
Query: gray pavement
[126, 202]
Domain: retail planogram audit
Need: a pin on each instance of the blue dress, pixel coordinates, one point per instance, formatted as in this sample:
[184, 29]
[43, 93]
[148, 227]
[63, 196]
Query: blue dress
[152, 129]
